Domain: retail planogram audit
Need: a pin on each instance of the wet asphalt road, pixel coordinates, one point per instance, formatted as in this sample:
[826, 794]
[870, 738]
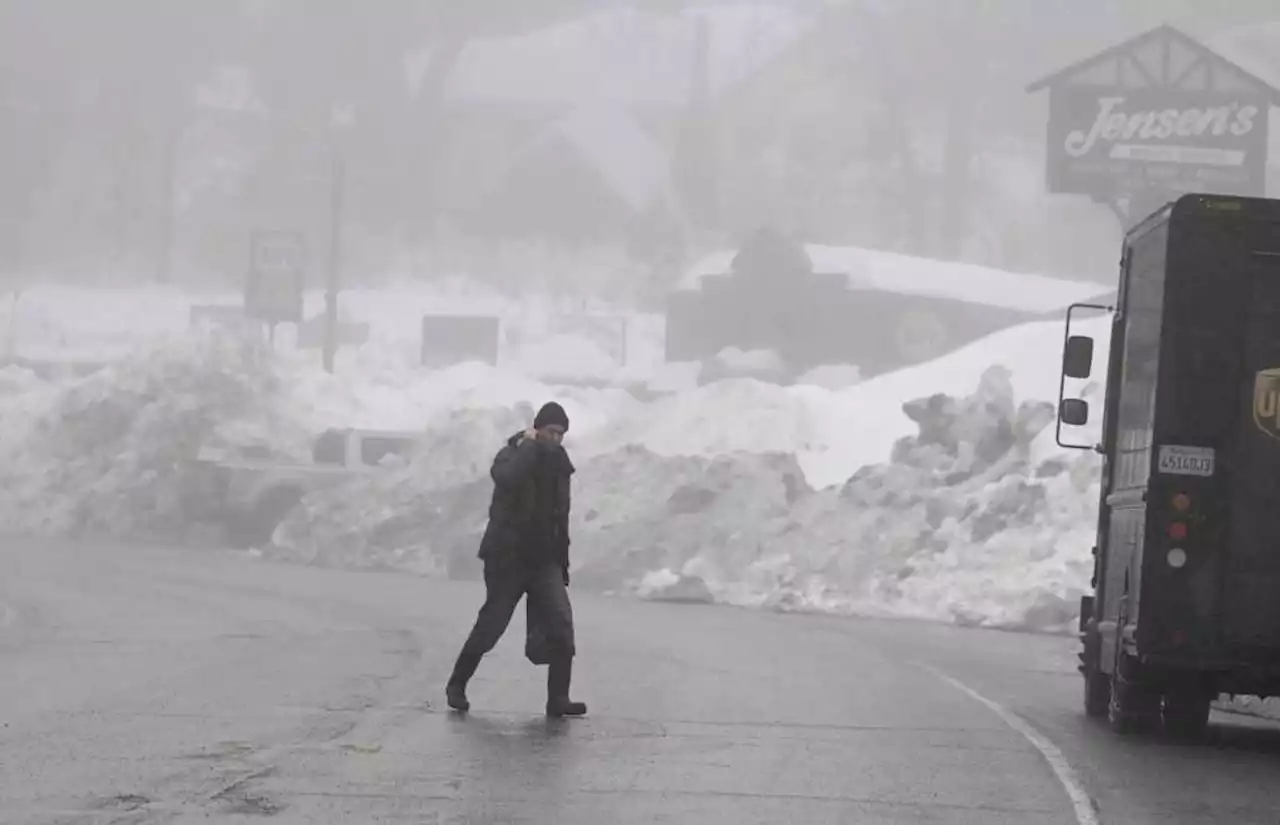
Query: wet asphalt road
[142, 685]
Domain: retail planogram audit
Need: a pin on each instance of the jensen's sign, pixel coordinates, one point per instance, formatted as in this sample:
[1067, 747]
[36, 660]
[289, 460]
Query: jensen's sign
[1103, 141]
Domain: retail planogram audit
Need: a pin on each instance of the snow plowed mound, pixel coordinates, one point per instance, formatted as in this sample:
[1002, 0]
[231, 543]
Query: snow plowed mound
[110, 454]
[965, 524]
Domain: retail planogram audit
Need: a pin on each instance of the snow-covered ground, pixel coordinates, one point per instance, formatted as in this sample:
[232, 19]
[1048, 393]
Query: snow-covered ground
[936, 492]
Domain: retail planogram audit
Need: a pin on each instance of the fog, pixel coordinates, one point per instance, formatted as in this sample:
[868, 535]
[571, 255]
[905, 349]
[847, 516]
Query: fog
[600, 144]
[794, 273]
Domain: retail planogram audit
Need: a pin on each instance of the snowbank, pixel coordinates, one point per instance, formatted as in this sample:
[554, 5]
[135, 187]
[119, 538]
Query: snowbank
[834, 433]
[964, 524]
[825, 495]
[108, 455]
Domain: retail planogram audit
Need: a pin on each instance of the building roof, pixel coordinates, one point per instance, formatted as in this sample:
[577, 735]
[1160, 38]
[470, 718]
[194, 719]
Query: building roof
[1135, 44]
[909, 275]
[634, 165]
[628, 161]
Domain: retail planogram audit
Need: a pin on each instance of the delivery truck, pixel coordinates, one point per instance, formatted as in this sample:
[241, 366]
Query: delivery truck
[1184, 605]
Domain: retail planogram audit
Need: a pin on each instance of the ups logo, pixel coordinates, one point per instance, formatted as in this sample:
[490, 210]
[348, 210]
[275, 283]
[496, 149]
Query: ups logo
[1266, 401]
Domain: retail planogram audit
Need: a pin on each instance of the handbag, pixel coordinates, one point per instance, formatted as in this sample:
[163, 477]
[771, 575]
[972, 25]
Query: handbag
[535, 637]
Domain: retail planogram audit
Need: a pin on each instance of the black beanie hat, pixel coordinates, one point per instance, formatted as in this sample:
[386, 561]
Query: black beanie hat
[551, 413]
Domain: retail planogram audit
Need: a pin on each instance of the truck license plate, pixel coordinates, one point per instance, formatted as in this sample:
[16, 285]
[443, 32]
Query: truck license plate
[1178, 460]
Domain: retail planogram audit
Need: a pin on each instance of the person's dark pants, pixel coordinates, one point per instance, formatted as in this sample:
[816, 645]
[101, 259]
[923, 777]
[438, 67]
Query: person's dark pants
[505, 585]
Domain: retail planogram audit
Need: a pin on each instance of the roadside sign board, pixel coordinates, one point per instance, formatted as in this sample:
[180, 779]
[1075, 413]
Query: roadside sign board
[277, 277]
[1172, 140]
[346, 333]
[453, 339]
[1143, 122]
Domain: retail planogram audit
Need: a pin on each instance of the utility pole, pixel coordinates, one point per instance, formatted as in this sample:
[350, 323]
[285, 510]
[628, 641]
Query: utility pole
[337, 182]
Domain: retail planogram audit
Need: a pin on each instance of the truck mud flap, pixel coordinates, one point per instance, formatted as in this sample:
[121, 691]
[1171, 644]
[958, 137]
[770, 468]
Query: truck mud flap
[1086, 612]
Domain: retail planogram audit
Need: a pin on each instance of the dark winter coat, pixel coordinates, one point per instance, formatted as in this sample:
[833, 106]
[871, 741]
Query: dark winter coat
[529, 513]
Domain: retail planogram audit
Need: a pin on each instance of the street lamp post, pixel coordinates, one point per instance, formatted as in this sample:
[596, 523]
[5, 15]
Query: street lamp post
[337, 185]
[337, 192]
[339, 118]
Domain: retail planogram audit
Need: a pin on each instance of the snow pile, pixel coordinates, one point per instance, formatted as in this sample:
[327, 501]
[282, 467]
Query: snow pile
[830, 494]
[18, 383]
[417, 517]
[835, 432]
[108, 455]
[965, 523]
[729, 416]
[634, 511]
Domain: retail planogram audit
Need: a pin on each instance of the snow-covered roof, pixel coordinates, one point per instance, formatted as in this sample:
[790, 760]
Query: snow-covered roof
[622, 57]
[908, 275]
[634, 165]
[618, 147]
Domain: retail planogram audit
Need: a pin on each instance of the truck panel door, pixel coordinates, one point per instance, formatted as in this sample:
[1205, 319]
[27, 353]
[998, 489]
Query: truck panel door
[1251, 572]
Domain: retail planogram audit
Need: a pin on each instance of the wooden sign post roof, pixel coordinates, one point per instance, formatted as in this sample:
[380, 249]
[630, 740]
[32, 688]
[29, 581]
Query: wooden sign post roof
[1160, 114]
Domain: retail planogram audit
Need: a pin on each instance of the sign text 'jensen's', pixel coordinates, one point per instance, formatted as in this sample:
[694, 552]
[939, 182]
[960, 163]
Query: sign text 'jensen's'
[1113, 123]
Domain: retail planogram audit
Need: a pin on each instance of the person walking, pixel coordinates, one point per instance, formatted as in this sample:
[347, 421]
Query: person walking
[525, 550]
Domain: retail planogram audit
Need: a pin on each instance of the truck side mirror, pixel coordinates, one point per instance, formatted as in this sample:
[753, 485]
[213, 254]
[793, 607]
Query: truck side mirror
[1074, 412]
[1077, 359]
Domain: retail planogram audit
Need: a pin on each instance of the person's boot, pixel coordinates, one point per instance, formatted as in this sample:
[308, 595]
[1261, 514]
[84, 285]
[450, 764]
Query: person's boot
[559, 675]
[456, 690]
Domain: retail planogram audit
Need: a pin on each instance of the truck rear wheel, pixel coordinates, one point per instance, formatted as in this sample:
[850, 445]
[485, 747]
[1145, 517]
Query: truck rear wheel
[1097, 685]
[1097, 692]
[1134, 707]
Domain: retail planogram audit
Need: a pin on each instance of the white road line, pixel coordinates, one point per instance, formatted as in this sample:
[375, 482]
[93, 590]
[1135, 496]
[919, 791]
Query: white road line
[1085, 811]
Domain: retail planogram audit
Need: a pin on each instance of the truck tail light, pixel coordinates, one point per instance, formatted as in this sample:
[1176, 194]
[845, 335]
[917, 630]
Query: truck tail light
[1178, 531]
[1182, 502]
